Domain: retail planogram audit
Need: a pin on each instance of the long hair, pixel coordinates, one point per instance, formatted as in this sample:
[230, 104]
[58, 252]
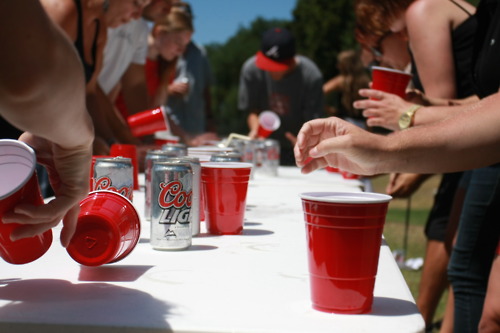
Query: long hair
[355, 78]
[376, 16]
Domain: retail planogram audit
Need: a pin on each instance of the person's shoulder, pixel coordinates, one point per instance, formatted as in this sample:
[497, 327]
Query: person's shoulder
[60, 11]
[249, 64]
[307, 65]
[422, 10]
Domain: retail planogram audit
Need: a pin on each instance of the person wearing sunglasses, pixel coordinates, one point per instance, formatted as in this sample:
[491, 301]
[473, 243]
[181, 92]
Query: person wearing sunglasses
[439, 34]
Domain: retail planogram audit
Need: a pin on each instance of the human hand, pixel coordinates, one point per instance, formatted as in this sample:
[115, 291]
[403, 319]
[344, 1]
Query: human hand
[178, 88]
[201, 139]
[68, 171]
[381, 109]
[337, 143]
[403, 185]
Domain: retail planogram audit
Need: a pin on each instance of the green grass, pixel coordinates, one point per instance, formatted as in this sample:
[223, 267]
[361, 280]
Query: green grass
[394, 230]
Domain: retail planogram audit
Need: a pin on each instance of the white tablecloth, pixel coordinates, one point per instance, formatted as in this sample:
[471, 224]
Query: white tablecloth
[255, 282]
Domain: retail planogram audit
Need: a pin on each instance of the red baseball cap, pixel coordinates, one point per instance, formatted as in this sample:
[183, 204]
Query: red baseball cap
[277, 50]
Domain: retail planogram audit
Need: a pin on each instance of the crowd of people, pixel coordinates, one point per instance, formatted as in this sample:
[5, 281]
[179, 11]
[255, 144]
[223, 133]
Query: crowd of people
[92, 63]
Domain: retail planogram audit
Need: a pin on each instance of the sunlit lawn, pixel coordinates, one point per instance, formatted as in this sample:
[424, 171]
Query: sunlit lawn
[394, 230]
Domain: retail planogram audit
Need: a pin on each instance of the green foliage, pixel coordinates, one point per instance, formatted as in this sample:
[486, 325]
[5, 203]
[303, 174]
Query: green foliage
[324, 28]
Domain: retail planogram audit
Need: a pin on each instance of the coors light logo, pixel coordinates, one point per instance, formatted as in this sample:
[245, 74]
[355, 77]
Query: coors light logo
[175, 202]
[104, 184]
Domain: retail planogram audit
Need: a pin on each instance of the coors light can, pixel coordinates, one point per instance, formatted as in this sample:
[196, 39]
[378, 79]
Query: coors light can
[172, 185]
[114, 174]
[196, 202]
[179, 149]
[152, 156]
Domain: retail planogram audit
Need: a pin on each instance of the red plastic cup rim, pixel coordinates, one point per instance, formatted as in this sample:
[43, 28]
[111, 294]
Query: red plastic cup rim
[392, 70]
[346, 197]
[227, 165]
[28, 157]
[269, 120]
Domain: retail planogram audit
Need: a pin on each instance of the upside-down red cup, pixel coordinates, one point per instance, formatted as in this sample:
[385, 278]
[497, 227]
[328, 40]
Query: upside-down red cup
[148, 122]
[19, 184]
[331, 169]
[130, 151]
[390, 80]
[268, 123]
[224, 186]
[107, 230]
[344, 234]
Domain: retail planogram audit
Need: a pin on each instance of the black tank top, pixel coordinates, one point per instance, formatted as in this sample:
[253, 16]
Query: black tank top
[487, 48]
[89, 69]
[462, 38]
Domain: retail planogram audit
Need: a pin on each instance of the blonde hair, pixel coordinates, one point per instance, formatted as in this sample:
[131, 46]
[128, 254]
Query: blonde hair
[176, 21]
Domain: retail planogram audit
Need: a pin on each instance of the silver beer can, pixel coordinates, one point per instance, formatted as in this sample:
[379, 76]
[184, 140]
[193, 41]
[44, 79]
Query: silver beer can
[226, 157]
[154, 155]
[114, 174]
[179, 149]
[196, 202]
[172, 184]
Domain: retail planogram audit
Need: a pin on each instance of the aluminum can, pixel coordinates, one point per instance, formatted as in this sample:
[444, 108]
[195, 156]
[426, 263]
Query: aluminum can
[179, 149]
[155, 155]
[270, 157]
[226, 157]
[114, 174]
[171, 207]
[196, 202]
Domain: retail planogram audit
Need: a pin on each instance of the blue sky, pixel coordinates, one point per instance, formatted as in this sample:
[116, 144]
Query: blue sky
[217, 20]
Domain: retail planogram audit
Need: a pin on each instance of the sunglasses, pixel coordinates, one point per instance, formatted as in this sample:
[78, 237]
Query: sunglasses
[377, 49]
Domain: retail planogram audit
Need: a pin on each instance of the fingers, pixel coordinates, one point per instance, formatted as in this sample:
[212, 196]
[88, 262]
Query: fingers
[30, 230]
[69, 225]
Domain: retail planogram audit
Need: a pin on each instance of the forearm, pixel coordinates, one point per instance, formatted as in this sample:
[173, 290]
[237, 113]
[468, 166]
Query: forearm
[469, 139]
[50, 93]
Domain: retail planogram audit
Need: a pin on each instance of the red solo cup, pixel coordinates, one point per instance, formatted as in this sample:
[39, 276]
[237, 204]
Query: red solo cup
[268, 123]
[348, 175]
[224, 186]
[331, 169]
[165, 137]
[390, 80]
[19, 184]
[344, 233]
[129, 151]
[148, 122]
[108, 229]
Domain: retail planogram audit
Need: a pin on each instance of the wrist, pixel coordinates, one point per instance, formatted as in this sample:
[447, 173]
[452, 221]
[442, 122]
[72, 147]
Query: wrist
[406, 119]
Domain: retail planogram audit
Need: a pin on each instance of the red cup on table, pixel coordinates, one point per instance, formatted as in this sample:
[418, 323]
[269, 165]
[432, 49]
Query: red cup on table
[344, 233]
[224, 186]
[165, 137]
[19, 185]
[390, 80]
[108, 229]
[148, 122]
[268, 123]
[130, 151]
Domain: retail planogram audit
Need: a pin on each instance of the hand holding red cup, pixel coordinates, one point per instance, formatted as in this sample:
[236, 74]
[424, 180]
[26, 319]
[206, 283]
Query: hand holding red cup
[390, 80]
[148, 122]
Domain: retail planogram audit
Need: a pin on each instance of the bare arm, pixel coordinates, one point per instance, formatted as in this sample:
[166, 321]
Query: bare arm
[429, 28]
[468, 140]
[134, 89]
[50, 106]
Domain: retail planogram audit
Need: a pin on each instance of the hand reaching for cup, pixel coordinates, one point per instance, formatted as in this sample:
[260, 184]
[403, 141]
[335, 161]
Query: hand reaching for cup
[337, 143]
[68, 174]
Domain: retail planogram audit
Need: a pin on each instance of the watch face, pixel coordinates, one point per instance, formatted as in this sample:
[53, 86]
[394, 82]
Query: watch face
[404, 121]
